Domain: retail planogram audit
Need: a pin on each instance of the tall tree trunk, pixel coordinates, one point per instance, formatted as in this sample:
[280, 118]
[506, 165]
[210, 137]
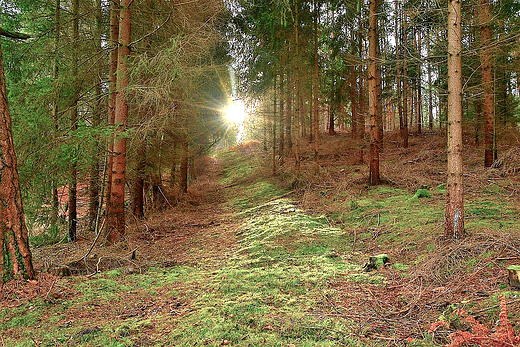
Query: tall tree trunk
[374, 93]
[316, 89]
[95, 179]
[398, 74]
[56, 102]
[14, 240]
[297, 86]
[418, 109]
[275, 115]
[454, 218]
[112, 92]
[73, 211]
[116, 213]
[406, 85]
[361, 96]
[430, 96]
[486, 59]
[281, 150]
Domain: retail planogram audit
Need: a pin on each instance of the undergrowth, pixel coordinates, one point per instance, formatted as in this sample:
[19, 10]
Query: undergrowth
[282, 283]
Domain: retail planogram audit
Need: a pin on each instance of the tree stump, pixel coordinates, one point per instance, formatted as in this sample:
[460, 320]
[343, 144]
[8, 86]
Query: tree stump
[376, 261]
[514, 275]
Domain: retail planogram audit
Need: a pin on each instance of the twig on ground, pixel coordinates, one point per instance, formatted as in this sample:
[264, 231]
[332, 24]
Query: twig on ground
[52, 286]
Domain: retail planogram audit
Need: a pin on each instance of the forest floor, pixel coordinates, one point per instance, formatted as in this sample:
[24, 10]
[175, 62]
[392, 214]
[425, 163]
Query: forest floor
[248, 259]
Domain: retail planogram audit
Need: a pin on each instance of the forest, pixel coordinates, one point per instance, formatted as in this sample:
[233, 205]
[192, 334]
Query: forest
[259, 173]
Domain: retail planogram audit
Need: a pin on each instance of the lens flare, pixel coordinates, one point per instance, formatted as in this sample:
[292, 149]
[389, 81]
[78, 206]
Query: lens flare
[235, 112]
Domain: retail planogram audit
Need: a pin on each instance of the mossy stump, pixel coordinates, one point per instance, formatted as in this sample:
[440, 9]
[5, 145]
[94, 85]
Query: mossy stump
[514, 275]
[376, 261]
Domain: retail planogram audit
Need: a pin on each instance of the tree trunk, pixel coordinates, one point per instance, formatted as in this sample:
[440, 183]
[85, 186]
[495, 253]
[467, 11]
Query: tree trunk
[374, 94]
[138, 186]
[430, 96]
[175, 157]
[454, 218]
[281, 149]
[486, 59]
[14, 240]
[73, 211]
[116, 212]
[56, 102]
[297, 87]
[478, 116]
[95, 179]
[406, 87]
[418, 108]
[361, 98]
[398, 74]
[316, 90]
[275, 115]
[112, 92]
[183, 175]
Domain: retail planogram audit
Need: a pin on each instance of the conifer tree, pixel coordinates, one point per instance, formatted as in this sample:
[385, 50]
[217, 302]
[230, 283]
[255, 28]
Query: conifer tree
[454, 217]
[116, 207]
[14, 240]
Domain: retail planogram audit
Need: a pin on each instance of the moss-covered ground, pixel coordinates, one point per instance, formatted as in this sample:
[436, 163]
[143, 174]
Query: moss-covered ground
[276, 267]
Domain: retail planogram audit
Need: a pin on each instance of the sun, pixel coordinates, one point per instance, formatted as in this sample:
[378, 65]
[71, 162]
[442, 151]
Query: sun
[235, 112]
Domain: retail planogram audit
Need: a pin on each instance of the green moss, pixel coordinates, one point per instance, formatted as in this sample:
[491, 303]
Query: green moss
[514, 267]
[401, 267]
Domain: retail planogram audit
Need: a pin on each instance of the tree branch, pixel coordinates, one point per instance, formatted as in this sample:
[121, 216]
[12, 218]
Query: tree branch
[12, 35]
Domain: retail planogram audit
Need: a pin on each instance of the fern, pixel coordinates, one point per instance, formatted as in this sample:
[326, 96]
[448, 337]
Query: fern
[504, 336]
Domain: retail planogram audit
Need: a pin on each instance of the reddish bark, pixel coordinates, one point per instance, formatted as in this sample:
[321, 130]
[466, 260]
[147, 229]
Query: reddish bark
[116, 209]
[13, 231]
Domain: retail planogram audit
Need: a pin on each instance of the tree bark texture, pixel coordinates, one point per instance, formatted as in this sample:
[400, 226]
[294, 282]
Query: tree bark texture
[116, 214]
[430, 95]
[112, 93]
[95, 179]
[297, 87]
[56, 101]
[316, 89]
[275, 114]
[398, 74]
[418, 107]
[374, 94]
[454, 217]
[406, 86]
[361, 98]
[73, 183]
[14, 240]
[486, 59]
[281, 150]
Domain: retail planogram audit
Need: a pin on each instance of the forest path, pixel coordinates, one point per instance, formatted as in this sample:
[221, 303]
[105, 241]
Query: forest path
[236, 262]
